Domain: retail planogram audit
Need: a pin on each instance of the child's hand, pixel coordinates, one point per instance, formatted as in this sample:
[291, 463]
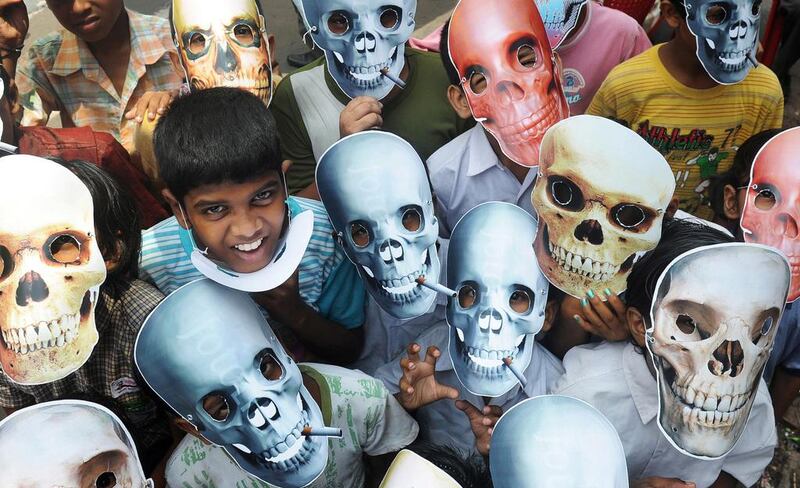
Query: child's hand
[282, 302]
[656, 482]
[605, 318]
[418, 386]
[14, 24]
[482, 423]
[151, 103]
[362, 113]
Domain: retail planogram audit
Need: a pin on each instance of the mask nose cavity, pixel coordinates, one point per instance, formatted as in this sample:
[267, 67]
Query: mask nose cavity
[226, 59]
[365, 42]
[787, 226]
[728, 359]
[262, 412]
[391, 250]
[737, 30]
[490, 319]
[589, 230]
[509, 92]
[31, 287]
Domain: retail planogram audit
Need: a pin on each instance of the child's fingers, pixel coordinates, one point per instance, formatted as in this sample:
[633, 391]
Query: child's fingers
[444, 391]
[600, 307]
[584, 324]
[432, 355]
[413, 352]
[405, 387]
[619, 308]
[493, 411]
[473, 414]
[589, 315]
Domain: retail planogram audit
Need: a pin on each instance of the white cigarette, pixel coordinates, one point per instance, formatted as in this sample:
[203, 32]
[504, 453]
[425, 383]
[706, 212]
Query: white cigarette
[752, 59]
[397, 81]
[436, 287]
[322, 431]
[511, 366]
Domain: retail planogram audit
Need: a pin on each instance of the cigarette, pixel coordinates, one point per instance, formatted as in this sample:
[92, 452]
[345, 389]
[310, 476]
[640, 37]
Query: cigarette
[322, 431]
[514, 369]
[436, 287]
[752, 59]
[397, 81]
[8, 148]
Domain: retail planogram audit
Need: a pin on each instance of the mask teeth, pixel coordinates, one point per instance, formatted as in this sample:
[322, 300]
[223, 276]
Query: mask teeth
[402, 288]
[706, 408]
[586, 267]
[291, 453]
[56, 333]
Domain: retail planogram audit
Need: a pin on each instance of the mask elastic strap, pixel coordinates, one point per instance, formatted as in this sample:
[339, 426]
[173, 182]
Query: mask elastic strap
[191, 235]
[311, 29]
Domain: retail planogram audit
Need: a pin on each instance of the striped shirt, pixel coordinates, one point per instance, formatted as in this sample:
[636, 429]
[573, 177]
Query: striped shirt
[328, 282]
[697, 130]
[61, 74]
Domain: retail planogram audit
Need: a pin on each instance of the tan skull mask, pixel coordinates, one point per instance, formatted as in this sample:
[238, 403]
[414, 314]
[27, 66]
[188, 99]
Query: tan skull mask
[51, 271]
[223, 43]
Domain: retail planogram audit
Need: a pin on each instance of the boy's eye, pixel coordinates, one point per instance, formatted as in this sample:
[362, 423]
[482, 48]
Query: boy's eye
[264, 195]
[244, 34]
[215, 210]
[197, 43]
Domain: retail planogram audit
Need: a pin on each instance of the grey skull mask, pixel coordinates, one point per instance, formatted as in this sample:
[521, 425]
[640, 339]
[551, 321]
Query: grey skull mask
[501, 296]
[361, 37]
[712, 327]
[727, 36]
[207, 351]
[376, 192]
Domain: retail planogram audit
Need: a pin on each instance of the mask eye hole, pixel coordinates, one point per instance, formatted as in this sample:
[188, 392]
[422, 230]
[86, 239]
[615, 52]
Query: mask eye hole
[360, 234]
[467, 295]
[216, 405]
[106, 480]
[629, 216]
[244, 34]
[756, 9]
[716, 14]
[565, 193]
[766, 327]
[412, 220]
[197, 43]
[6, 263]
[338, 22]
[477, 79]
[520, 301]
[526, 55]
[270, 367]
[63, 249]
[390, 18]
[686, 324]
[765, 199]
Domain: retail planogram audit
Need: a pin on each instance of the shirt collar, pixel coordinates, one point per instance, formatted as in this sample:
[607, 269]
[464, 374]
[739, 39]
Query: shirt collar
[480, 152]
[642, 384]
[148, 43]
[73, 55]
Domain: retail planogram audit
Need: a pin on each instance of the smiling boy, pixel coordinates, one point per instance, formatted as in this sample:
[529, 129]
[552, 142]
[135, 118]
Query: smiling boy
[220, 160]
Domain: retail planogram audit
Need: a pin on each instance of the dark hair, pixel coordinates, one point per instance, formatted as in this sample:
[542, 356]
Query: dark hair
[739, 173]
[116, 222]
[444, 54]
[679, 7]
[677, 237]
[213, 136]
[468, 470]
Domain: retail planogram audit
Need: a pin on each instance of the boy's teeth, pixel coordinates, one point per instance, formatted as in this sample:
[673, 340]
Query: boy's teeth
[249, 247]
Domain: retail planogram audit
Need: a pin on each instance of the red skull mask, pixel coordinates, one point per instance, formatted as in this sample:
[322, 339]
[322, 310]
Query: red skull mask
[509, 73]
[772, 210]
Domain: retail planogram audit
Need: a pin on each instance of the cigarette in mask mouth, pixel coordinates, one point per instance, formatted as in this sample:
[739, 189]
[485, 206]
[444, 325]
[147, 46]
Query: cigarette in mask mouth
[322, 431]
[436, 287]
[397, 81]
[514, 369]
[752, 59]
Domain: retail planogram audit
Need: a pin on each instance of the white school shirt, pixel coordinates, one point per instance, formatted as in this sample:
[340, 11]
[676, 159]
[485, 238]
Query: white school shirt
[466, 172]
[614, 378]
[441, 422]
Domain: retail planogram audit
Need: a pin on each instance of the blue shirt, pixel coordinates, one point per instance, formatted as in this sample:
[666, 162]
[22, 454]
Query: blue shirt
[328, 281]
[786, 351]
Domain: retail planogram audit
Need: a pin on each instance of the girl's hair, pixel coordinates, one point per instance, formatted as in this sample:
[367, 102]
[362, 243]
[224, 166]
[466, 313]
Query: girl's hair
[116, 223]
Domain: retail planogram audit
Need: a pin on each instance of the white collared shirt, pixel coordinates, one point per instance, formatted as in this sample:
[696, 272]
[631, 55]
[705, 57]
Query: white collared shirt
[441, 422]
[466, 172]
[614, 378]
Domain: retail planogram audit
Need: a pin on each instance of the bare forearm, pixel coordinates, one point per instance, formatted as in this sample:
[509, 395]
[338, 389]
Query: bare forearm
[783, 390]
[324, 337]
[724, 481]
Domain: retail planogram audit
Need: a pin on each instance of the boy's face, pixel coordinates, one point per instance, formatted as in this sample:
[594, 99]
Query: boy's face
[90, 20]
[240, 223]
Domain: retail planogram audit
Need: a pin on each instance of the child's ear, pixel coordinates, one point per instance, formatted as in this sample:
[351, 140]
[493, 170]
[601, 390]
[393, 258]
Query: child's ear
[276, 66]
[458, 100]
[177, 211]
[730, 203]
[190, 429]
[285, 165]
[636, 324]
[550, 313]
[671, 14]
[672, 207]
[113, 261]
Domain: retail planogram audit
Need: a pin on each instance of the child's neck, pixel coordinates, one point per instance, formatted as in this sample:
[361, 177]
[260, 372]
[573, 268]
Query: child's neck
[687, 70]
[113, 51]
[519, 171]
[313, 388]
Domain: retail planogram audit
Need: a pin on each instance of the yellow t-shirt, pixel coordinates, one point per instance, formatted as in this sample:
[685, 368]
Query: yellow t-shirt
[697, 131]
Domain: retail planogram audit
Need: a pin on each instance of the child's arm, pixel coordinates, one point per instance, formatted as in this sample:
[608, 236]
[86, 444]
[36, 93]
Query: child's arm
[783, 389]
[724, 481]
[481, 422]
[13, 29]
[578, 320]
[657, 482]
[418, 385]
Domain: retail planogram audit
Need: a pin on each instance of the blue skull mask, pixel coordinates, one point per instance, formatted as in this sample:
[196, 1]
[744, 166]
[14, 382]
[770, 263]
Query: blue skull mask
[559, 17]
[361, 37]
[376, 192]
[501, 298]
[556, 441]
[207, 351]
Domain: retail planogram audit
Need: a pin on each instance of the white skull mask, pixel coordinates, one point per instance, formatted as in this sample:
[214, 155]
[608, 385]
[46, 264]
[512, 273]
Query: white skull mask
[51, 271]
[713, 324]
[361, 37]
[601, 194]
[727, 35]
[70, 444]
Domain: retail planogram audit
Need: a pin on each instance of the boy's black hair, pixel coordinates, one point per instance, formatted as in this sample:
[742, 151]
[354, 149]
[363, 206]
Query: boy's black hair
[468, 470]
[116, 222]
[738, 174]
[213, 136]
[444, 54]
[679, 7]
[677, 237]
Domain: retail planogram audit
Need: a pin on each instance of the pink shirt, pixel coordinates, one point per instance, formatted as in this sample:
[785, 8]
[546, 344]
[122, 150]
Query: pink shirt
[606, 39]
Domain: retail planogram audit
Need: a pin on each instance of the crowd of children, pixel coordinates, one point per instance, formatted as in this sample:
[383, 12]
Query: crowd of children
[534, 250]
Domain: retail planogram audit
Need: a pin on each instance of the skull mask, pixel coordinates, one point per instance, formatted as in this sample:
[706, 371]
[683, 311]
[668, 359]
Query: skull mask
[600, 194]
[223, 43]
[556, 441]
[207, 351]
[713, 323]
[51, 271]
[501, 298]
[727, 35]
[68, 443]
[360, 38]
[410, 470]
[772, 210]
[559, 17]
[377, 195]
[508, 72]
